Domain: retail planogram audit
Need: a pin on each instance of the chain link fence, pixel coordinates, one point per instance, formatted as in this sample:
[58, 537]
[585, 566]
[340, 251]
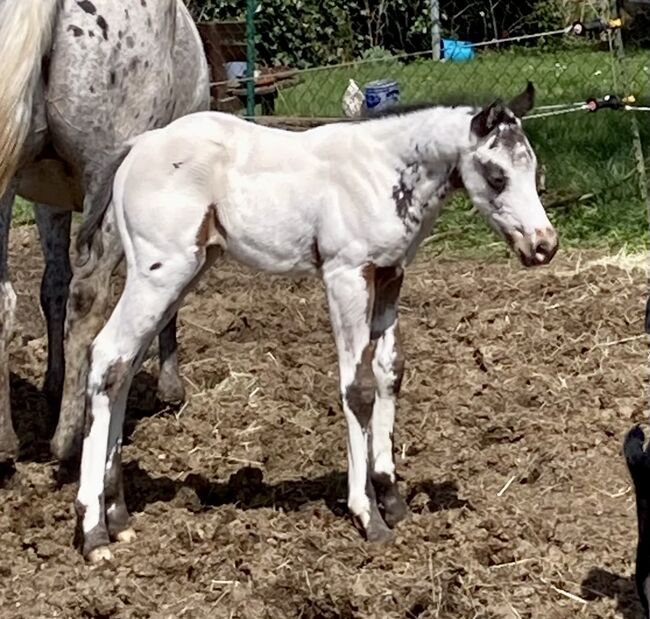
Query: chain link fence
[594, 161]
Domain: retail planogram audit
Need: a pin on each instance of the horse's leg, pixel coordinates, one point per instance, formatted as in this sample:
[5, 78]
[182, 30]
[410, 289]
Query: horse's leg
[350, 295]
[54, 230]
[147, 302]
[388, 367]
[8, 439]
[87, 303]
[170, 384]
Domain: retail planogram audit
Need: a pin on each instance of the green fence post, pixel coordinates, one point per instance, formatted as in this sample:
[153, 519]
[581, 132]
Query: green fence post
[251, 5]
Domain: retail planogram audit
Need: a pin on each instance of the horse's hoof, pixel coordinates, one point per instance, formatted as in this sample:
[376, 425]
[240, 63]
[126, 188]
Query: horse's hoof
[99, 554]
[9, 448]
[376, 530]
[379, 534]
[170, 389]
[395, 509]
[127, 536]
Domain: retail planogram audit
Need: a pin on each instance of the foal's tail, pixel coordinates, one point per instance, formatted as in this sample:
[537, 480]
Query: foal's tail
[96, 201]
[25, 37]
[638, 463]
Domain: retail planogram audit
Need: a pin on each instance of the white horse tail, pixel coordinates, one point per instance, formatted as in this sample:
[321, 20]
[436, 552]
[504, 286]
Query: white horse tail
[25, 36]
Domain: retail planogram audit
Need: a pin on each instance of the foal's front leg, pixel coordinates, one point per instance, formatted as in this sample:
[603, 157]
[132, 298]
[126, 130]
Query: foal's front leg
[388, 367]
[350, 296]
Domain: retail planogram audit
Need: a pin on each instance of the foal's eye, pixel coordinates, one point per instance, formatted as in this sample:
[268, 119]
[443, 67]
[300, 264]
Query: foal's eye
[495, 177]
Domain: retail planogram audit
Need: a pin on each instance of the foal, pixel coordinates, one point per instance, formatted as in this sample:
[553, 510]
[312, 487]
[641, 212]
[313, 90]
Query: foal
[349, 201]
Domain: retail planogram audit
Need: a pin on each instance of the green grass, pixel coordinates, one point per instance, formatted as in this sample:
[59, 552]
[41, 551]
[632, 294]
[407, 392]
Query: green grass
[23, 212]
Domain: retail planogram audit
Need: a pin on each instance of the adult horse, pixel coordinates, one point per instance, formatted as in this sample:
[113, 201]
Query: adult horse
[77, 79]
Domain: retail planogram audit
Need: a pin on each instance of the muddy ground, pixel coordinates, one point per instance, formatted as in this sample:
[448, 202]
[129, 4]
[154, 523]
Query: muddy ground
[520, 386]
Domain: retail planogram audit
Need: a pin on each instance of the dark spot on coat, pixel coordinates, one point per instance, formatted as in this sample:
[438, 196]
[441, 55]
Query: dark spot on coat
[120, 34]
[130, 43]
[114, 378]
[92, 89]
[155, 266]
[87, 6]
[360, 393]
[177, 164]
[316, 258]
[143, 2]
[126, 13]
[387, 285]
[133, 64]
[101, 22]
[403, 190]
[112, 78]
[149, 23]
[150, 120]
[91, 33]
[76, 31]
[118, 46]
[146, 64]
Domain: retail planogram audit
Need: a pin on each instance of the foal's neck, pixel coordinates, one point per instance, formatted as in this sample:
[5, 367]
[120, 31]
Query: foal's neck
[434, 136]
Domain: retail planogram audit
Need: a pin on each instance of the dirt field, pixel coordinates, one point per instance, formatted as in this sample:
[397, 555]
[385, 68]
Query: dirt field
[520, 386]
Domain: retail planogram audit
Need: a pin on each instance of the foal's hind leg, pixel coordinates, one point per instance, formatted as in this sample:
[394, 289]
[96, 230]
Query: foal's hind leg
[388, 367]
[54, 231]
[87, 303]
[170, 384]
[147, 302]
[350, 295]
[8, 438]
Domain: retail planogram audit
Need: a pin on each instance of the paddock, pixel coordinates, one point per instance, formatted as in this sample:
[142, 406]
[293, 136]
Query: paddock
[519, 387]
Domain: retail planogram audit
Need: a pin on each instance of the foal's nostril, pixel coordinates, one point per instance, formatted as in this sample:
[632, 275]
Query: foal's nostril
[545, 246]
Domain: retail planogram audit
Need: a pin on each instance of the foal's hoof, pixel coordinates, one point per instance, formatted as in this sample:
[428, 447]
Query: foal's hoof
[395, 509]
[99, 554]
[127, 536]
[376, 529]
[170, 389]
[378, 533]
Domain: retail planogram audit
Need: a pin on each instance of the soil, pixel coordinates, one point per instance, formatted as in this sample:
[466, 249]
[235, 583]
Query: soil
[520, 386]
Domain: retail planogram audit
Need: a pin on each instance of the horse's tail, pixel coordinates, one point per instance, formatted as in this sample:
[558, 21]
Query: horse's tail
[638, 464]
[25, 36]
[96, 201]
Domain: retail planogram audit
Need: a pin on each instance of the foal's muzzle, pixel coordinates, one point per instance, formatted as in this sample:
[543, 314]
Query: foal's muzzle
[534, 249]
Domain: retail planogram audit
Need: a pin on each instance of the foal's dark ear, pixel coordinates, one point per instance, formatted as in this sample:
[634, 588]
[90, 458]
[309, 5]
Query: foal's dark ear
[489, 117]
[523, 102]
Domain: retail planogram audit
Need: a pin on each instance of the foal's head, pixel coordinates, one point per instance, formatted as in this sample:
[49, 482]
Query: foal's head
[499, 172]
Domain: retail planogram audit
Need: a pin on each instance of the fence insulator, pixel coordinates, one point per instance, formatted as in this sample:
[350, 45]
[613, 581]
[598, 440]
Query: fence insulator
[612, 102]
[596, 26]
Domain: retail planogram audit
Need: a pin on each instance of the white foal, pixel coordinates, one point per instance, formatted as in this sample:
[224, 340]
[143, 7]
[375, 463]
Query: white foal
[349, 201]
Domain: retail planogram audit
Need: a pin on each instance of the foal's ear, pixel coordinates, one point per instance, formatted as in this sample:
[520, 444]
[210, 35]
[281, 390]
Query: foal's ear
[523, 102]
[489, 117]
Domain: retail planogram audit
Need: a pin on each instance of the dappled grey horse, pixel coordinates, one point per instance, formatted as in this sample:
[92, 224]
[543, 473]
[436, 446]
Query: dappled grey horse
[77, 79]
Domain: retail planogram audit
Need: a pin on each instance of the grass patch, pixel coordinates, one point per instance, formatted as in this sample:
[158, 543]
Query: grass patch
[23, 212]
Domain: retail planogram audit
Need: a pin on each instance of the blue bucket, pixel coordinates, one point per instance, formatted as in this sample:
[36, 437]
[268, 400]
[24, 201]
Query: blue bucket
[457, 51]
[381, 94]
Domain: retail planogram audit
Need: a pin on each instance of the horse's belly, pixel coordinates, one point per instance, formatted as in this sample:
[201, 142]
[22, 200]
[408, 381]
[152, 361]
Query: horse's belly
[274, 253]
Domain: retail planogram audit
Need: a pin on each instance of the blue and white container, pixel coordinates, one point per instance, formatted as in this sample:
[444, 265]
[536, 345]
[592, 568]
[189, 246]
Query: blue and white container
[381, 94]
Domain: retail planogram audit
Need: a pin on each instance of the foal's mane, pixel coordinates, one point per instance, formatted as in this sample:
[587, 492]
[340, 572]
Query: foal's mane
[402, 109]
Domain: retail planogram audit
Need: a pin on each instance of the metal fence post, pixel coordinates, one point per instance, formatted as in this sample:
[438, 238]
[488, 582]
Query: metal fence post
[251, 5]
[435, 29]
[624, 82]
